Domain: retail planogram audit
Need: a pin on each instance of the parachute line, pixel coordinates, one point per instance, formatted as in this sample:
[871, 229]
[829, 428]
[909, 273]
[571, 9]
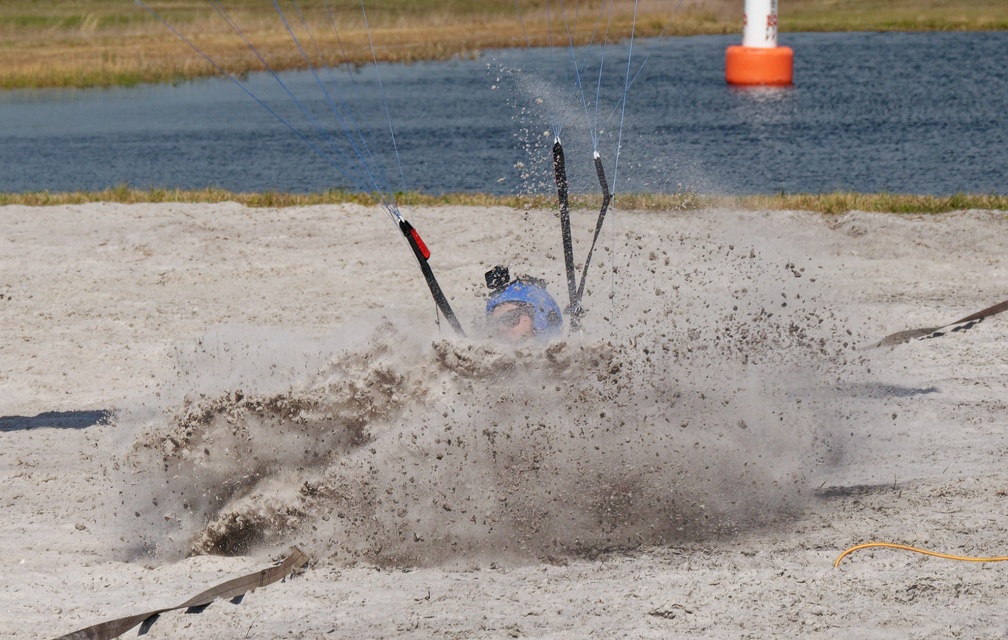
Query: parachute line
[346, 119]
[528, 43]
[356, 89]
[598, 88]
[381, 88]
[367, 174]
[577, 75]
[619, 143]
[554, 121]
[373, 173]
[626, 90]
[284, 121]
[647, 57]
[311, 120]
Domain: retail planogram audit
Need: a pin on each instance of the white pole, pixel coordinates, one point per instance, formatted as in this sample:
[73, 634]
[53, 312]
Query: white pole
[760, 22]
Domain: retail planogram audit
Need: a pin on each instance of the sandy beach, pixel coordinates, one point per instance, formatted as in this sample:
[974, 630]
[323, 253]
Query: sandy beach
[187, 391]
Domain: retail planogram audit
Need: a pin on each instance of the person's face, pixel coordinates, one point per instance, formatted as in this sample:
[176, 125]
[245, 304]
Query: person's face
[512, 322]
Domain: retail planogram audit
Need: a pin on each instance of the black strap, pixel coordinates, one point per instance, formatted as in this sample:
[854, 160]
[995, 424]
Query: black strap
[933, 332]
[606, 198]
[422, 253]
[560, 173]
[232, 589]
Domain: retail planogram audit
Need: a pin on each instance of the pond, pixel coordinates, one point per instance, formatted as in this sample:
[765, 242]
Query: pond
[922, 113]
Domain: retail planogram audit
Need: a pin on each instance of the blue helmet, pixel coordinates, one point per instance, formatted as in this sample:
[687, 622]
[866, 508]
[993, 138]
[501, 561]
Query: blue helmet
[547, 321]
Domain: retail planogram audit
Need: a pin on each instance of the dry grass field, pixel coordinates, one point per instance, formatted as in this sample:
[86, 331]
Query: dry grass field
[829, 203]
[104, 42]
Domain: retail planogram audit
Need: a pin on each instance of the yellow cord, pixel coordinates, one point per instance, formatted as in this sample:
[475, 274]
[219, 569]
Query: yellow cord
[893, 545]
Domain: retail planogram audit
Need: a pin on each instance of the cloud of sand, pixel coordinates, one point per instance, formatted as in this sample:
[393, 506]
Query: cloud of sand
[701, 408]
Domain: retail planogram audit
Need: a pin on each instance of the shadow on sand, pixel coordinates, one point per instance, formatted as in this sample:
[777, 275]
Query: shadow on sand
[55, 420]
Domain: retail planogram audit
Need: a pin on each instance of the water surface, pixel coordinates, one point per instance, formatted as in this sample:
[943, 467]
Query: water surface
[869, 112]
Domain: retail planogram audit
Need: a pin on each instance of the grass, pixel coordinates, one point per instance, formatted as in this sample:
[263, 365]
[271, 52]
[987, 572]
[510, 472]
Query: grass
[830, 203]
[87, 43]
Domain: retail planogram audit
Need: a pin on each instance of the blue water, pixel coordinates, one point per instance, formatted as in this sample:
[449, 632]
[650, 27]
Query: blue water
[869, 112]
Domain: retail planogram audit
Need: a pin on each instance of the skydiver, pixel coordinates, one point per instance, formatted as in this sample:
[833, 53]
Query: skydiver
[521, 309]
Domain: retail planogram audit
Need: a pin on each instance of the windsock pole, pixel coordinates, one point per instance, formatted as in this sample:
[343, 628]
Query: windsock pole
[759, 61]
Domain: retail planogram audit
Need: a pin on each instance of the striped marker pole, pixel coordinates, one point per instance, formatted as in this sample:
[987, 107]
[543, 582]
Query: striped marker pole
[759, 61]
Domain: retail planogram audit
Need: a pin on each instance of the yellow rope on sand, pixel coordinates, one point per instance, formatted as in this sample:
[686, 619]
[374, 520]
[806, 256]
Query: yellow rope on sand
[893, 545]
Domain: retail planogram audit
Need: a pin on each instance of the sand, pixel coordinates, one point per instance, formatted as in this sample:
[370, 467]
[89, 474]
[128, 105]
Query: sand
[688, 465]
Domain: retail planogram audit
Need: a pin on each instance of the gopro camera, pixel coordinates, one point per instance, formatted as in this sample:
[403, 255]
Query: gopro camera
[497, 278]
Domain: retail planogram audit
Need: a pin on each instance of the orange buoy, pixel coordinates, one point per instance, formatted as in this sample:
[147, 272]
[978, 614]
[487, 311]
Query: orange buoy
[759, 61]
